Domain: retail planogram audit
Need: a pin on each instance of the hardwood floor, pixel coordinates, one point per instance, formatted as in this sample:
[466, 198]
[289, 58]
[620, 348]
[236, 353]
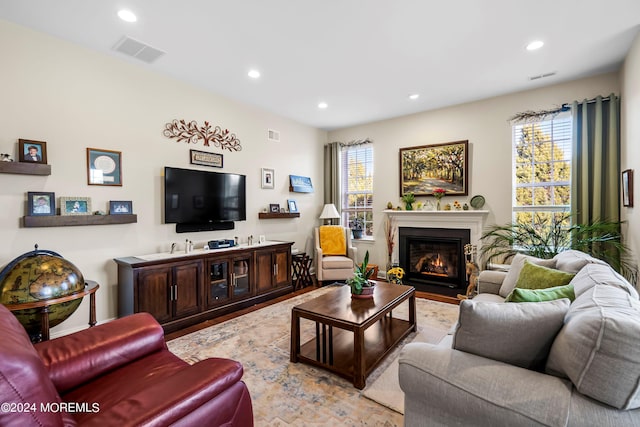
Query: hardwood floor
[217, 320]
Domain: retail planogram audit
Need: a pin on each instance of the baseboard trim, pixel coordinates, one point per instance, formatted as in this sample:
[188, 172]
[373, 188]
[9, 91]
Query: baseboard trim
[68, 331]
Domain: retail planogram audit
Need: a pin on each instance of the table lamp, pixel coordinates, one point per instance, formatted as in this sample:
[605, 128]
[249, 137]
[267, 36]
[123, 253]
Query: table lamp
[329, 212]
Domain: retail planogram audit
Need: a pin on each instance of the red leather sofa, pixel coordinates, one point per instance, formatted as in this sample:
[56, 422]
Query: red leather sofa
[116, 374]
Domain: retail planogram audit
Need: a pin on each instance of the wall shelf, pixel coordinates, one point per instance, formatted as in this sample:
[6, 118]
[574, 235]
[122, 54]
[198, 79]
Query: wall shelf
[73, 220]
[273, 215]
[25, 168]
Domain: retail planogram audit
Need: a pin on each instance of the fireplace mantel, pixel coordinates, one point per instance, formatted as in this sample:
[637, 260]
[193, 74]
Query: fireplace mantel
[474, 220]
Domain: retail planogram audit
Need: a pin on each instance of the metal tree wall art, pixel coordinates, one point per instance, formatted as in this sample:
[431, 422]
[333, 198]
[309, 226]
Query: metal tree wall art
[191, 134]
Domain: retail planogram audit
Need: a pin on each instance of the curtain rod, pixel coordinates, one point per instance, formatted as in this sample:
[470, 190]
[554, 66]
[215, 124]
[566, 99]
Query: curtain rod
[540, 115]
[355, 142]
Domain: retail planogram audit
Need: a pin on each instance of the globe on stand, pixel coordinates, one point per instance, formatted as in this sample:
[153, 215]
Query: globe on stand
[36, 276]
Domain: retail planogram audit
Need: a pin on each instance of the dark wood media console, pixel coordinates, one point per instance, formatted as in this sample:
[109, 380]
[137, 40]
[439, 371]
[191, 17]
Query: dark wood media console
[180, 290]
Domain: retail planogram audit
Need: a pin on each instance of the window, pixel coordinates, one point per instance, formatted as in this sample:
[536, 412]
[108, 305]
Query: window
[542, 171]
[357, 185]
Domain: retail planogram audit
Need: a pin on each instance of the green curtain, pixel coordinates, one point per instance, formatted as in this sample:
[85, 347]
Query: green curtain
[595, 180]
[332, 176]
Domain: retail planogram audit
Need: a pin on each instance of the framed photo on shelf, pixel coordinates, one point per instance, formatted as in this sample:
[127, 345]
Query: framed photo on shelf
[32, 151]
[41, 204]
[75, 206]
[120, 207]
[205, 158]
[427, 167]
[274, 207]
[293, 206]
[104, 167]
[627, 188]
[268, 178]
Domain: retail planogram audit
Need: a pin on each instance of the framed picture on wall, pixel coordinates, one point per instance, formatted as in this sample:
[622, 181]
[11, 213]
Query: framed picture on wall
[427, 167]
[104, 167]
[627, 188]
[268, 178]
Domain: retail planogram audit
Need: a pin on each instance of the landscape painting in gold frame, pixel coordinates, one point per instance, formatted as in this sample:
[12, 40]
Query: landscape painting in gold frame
[427, 167]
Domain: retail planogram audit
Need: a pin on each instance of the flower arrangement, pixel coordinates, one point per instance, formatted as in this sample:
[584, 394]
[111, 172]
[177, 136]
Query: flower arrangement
[439, 193]
[395, 275]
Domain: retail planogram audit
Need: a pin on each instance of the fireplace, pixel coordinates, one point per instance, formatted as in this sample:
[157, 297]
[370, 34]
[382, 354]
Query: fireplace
[433, 258]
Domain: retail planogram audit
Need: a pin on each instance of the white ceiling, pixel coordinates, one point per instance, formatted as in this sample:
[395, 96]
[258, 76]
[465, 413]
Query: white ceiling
[362, 57]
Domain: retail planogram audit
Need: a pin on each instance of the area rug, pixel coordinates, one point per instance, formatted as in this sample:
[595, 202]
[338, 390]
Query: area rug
[295, 394]
[385, 389]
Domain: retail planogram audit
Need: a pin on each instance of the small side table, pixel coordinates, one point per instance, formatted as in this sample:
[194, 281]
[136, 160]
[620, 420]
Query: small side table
[301, 270]
[90, 289]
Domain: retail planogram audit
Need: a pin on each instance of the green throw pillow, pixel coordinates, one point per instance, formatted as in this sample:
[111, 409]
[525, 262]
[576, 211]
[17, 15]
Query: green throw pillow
[538, 295]
[534, 276]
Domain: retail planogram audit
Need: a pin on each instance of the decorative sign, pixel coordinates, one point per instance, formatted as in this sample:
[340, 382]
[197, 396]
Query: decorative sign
[206, 159]
[191, 134]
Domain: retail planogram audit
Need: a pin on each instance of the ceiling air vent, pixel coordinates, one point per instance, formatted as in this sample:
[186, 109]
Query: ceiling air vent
[273, 135]
[137, 49]
[542, 76]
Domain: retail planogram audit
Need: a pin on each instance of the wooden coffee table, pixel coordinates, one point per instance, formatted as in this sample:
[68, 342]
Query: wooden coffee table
[366, 330]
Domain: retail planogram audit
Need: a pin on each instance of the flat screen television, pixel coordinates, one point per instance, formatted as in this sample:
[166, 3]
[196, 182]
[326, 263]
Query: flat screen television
[200, 201]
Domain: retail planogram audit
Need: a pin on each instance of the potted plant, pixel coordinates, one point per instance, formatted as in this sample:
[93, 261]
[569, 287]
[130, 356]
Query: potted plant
[549, 236]
[361, 286]
[408, 199]
[357, 227]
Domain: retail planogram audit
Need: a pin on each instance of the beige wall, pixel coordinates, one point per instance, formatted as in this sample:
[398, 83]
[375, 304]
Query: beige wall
[73, 98]
[631, 139]
[484, 124]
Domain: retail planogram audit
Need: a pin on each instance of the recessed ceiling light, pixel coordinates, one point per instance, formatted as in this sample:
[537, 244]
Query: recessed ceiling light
[535, 45]
[127, 15]
[254, 74]
[414, 96]
[323, 105]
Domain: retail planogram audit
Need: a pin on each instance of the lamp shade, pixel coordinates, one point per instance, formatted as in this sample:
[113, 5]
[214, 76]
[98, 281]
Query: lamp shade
[329, 212]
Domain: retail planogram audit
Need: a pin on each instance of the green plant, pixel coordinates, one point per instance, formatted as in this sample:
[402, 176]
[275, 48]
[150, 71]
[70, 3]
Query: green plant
[361, 276]
[408, 198]
[549, 235]
[357, 223]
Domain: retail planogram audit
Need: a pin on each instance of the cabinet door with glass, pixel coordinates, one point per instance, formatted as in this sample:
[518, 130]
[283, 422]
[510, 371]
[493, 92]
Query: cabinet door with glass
[241, 279]
[218, 281]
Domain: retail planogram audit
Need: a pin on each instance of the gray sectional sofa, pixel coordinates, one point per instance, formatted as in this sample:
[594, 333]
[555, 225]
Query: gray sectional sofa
[553, 363]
